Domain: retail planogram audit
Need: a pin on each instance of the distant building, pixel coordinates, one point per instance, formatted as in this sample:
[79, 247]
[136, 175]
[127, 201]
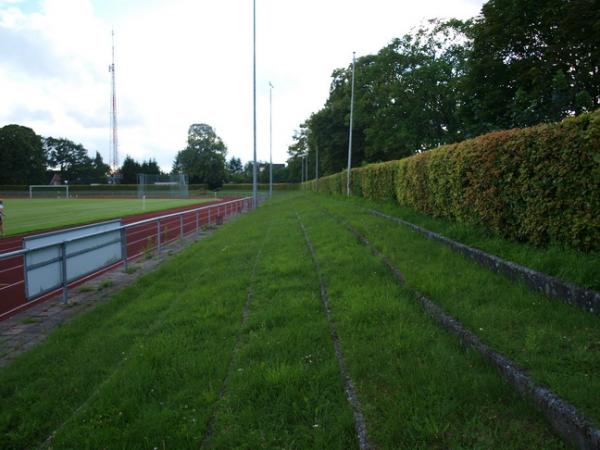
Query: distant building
[56, 180]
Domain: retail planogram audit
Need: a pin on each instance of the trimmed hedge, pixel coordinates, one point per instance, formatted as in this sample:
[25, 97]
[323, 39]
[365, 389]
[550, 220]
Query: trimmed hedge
[260, 187]
[538, 184]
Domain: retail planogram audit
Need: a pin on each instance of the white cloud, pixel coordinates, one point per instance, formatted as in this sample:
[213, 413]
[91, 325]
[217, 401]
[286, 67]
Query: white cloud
[186, 61]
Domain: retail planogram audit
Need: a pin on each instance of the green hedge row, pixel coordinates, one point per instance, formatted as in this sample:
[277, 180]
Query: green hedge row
[538, 184]
[260, 187]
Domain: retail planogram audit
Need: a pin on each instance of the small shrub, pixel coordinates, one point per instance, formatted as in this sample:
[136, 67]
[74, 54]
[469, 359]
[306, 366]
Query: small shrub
[105, 284]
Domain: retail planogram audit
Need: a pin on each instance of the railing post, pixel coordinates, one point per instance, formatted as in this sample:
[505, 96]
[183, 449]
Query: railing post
[209, 210]
[181, 226]
[124, 246]
[63, 261]
[158, 238]
[197, 224]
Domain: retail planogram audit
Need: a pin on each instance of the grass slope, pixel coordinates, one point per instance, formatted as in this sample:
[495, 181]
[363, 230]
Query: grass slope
[22, 216]
[147, 369]
[559, 344]
[419, 389]
[564, 263]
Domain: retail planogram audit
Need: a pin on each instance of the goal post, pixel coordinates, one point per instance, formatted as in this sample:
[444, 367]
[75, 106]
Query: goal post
[49, 191]
[163, 186]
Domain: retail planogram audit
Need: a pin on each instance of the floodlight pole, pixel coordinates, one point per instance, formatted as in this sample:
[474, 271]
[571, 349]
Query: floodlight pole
[350, 132]
[306, 166]
[270, 140]
[317, 164]
[302, 169]
[254, 193]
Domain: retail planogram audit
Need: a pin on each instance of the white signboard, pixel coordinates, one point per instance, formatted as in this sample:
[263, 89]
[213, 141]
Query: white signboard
[88, 249]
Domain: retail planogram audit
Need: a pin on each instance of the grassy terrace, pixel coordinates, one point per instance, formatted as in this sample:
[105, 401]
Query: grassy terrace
[170, 362]
[564, 263]
[25, 215]
[559, 344]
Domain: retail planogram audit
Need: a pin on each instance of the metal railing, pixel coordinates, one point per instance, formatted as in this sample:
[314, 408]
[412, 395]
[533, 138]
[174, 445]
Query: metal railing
[139, 238]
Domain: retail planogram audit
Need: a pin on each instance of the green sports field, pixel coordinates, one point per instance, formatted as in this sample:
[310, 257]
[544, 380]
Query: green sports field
[25, 215]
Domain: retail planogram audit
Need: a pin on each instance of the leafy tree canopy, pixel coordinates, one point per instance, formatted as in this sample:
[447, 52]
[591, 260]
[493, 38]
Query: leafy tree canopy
[22, 156]
[518, 63]
[204, 158]
[129, 170]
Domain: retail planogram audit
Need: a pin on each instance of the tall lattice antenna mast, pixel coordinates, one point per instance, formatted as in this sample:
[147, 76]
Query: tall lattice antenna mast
[114, 145]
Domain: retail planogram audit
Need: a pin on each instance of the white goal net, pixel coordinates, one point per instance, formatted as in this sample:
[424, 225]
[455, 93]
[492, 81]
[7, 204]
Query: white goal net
[163, 186]
[49, 191]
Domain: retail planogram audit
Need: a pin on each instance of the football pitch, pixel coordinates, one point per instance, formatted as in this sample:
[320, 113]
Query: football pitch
[26, 215]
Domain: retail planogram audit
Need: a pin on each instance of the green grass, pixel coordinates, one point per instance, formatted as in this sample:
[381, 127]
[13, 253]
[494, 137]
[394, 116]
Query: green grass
[285, 390]
[419, 389]
[143, 369]
[105, 284]
[22, 216]
[30, 320]
[558, 344]
[556, 260]
[146, 369]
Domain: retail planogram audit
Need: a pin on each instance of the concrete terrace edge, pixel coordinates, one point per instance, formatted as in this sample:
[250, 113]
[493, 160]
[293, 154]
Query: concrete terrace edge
[586, 299]
[566, 420]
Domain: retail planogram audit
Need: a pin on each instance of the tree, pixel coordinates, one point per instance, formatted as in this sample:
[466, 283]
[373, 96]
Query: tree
[235, 170]
[100, 169]
[129, 170]
[71, 159]
[519, 63]
[150, 167]
[204, 157]
[532, 61]
[22, 156]
[407, 99]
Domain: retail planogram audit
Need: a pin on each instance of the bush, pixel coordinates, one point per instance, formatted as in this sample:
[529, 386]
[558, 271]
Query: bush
[260, 186]
[539, 184]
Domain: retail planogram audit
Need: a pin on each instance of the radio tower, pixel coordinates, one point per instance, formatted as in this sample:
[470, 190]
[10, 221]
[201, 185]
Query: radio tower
[114, 145]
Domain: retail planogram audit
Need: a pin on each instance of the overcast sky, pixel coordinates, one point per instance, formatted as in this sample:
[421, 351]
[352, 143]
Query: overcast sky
[180, 62]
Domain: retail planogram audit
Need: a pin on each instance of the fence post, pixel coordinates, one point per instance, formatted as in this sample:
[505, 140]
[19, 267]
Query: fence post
[158, 238]
[209, 210]
[181, 226]
[197, 227]
[63, 258]
[124, 246]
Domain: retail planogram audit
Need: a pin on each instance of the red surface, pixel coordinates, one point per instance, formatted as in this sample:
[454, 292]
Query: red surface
[140, 239]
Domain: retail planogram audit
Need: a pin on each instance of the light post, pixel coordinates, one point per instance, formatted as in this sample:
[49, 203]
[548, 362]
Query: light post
[316, 164]
[270, 140]
[306, 166]
[350, 132]
[254, 193]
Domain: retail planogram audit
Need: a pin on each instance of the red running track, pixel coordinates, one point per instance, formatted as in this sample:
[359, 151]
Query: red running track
[140, 239]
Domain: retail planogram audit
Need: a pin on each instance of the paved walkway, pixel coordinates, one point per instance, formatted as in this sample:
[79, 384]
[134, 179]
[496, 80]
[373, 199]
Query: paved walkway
[26, 329]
